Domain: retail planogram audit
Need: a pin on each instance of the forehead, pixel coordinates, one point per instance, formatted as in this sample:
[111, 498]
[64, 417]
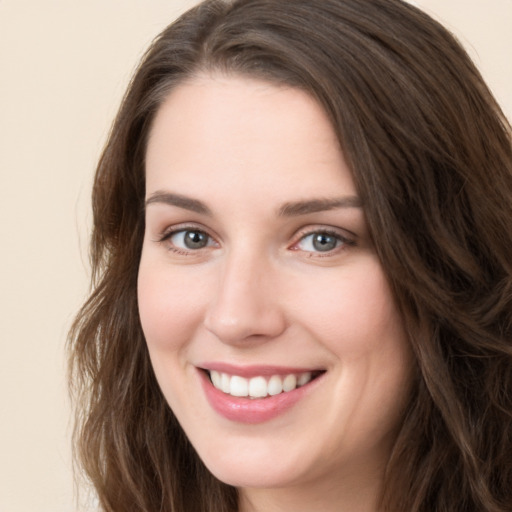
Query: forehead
[244, 133]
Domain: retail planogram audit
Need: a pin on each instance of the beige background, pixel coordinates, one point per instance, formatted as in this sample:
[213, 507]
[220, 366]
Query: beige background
[63, 66]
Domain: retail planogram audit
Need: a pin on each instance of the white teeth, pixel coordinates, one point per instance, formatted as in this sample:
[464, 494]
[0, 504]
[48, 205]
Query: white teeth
[224, 382]
[239, 386]
[289, 383]
[216, 379]
[258, 387]
[275, 385]
[304, 378]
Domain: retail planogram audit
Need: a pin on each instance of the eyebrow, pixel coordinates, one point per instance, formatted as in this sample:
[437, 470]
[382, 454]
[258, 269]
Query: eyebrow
[296, 208]
[289, 209]
[187, 203]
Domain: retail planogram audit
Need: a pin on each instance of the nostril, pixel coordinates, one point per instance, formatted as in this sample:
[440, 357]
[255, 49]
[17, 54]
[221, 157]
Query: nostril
[254, 328]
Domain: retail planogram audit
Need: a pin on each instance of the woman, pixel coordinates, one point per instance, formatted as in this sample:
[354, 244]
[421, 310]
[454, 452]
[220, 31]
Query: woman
[302, 276]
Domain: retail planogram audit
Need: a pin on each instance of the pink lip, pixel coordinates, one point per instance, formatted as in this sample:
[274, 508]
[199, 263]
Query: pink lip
[254, 370]
[251, 411]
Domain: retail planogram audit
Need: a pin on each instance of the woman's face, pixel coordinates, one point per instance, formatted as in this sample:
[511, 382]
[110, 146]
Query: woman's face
[258, 273]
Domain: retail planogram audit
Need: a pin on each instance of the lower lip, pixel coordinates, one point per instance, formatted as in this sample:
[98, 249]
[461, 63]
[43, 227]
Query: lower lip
[247, 410]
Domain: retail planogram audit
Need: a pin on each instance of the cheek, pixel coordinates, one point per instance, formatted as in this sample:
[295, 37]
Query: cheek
[357, 321]
[354, 313]
[169, 307]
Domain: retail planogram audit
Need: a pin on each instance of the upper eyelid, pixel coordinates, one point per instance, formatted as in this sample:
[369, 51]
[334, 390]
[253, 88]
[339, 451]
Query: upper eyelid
[164, 238]
[344, 239]
[176, 228]
[337, 231]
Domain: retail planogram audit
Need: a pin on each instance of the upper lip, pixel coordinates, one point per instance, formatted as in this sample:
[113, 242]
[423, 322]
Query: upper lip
[256, 370]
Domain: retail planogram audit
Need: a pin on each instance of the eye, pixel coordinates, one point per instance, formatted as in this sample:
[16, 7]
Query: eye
[321, 242]
[188, 239]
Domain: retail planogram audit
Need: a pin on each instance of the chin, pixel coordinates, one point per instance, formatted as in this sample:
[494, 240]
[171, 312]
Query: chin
[243, 474]
[257, 463]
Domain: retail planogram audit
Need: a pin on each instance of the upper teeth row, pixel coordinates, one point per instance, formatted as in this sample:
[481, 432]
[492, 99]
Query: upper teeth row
[257, 387]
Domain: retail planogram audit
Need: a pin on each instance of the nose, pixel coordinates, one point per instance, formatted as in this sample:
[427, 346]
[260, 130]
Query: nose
[246, 306]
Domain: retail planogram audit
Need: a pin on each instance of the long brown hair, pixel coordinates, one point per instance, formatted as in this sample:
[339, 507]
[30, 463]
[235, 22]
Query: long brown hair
[431, 155]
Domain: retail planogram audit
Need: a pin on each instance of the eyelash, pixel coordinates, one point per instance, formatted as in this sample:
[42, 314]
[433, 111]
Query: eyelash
[341, 240]
[167, 235]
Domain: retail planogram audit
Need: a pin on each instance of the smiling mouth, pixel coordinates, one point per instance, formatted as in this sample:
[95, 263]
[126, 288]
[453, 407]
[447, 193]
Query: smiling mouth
[260, 386]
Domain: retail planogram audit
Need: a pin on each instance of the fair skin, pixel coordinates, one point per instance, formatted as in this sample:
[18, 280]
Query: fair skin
[257, 262]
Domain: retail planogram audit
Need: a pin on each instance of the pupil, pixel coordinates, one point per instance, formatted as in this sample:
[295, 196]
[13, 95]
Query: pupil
[324, 243]
[195, 240]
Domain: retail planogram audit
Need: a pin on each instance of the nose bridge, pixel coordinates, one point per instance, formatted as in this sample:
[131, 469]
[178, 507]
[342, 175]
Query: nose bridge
[246, 302]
